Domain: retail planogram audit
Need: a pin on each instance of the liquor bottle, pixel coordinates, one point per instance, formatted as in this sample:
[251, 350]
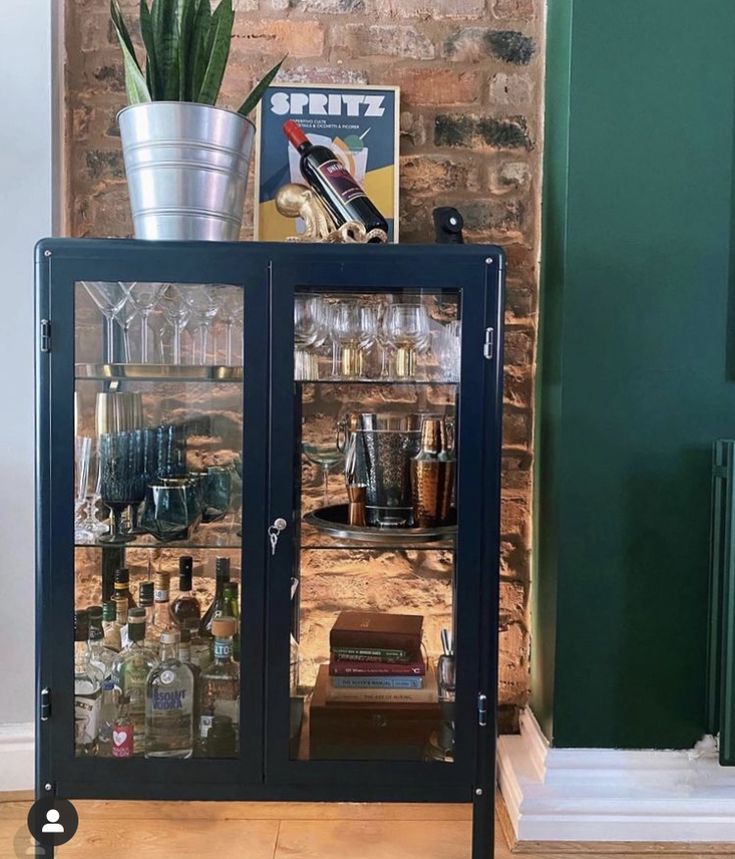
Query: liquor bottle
[107, 716]
[161, 605]
[432, 476]
[333, 182]
[133, 664]
[123, 732]
[220, 682]
[122, 596]
[185, 657]
[101, 658]
[185, 609]
[232, 609]
[169, 704]
[152, 632]
[217, 607]
[87, 690]
[110, 626]
[221, 739]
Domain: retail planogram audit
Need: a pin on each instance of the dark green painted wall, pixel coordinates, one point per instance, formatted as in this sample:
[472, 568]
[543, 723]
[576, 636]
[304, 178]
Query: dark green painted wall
[634, 376]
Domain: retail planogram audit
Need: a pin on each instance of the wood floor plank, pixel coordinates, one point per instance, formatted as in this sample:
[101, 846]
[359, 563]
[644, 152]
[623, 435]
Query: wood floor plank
[184, 839]
[374, 839]
[15, 810]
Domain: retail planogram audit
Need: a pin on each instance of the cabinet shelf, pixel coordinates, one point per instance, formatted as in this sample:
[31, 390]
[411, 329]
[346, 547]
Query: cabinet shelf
[206, 537]
[157, 373]
[388, 383]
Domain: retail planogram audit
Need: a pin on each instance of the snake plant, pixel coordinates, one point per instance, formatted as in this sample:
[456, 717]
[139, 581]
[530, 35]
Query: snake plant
[187, 45]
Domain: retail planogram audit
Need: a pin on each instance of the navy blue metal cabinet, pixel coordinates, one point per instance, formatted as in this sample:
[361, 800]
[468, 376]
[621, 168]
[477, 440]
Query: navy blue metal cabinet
[221, 351]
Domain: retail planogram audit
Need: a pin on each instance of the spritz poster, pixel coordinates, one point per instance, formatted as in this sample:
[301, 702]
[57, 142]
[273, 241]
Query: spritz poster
[358, 123]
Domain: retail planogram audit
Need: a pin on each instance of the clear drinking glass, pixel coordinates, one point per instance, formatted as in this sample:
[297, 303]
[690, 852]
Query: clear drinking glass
[407, 326]
[144, 298]
[326, 456]
[177, 313]
[82, 463]
[344, 326]
[310, 332]
[124, 316]
[204, 305]
[447, 348]
[109, 298]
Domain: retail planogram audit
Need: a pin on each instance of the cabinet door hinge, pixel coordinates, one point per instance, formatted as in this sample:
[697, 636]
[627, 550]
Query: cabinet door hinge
[45, 335]
[45, 704]
[489, 347]
[482, 710]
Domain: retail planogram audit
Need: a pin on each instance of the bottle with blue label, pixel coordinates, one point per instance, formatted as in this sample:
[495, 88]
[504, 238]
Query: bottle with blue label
[169, 704]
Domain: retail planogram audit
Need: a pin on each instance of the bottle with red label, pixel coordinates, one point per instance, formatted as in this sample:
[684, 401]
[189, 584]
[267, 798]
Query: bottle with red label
[333, 182]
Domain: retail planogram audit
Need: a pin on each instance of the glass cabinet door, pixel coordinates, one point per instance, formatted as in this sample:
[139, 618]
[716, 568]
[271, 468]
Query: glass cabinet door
[376, 465]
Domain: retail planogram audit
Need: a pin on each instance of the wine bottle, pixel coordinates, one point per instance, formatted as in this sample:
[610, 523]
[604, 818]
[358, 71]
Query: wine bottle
[217, 606]
[333, 182]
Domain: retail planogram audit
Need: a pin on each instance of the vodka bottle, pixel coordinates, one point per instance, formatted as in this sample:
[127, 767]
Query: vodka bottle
[169, 707]
[86, 690]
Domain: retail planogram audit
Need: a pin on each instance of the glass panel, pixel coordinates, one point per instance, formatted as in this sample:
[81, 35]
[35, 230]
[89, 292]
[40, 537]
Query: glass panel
[372, 665]
[157, 522]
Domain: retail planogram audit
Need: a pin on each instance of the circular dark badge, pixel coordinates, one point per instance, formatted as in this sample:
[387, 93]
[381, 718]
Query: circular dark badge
[52, 821]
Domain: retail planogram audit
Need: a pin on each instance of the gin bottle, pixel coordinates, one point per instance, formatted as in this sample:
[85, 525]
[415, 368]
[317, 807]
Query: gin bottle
[132, 667]
[220, 682]
[86, 690]
[169, 704]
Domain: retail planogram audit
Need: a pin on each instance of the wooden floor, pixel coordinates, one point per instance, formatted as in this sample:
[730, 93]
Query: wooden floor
[200, 830]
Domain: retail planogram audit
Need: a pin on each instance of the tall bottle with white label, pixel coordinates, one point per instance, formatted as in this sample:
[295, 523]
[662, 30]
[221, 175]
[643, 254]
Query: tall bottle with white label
[87, 690]
[332, 181]
[220, 682]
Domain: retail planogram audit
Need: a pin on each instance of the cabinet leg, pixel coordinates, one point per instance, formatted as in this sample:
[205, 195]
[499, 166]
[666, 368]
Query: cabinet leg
[483, 825]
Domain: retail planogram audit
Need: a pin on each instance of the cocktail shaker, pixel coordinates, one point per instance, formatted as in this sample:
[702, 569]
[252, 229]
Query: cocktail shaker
[432, 475]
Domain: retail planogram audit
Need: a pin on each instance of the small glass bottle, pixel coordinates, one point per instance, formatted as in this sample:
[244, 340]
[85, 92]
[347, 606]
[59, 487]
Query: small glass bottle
[133, 664]
[100, 657]
[87, 689]
[169, 705]
[217, 607]
[161, 606]
[232, 609]
[220, 682]
[185, 609]
[123, 732]
[122, 597]
[110, 626]
[108, 715]
[152, 632]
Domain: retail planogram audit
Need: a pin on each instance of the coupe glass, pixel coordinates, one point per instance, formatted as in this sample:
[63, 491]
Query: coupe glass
[326, 456]
[122, 482]
[177, 313]
[407, 327]
[344, 325]
[109, 297]
[144, 298]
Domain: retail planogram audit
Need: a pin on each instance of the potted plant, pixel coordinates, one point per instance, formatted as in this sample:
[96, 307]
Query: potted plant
[186, 160]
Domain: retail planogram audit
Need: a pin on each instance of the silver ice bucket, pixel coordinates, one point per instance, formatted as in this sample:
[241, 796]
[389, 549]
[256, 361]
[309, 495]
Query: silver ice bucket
[187, 169]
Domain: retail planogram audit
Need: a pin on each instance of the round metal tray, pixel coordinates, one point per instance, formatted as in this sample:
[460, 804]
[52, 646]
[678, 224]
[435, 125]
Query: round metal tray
[332, 520]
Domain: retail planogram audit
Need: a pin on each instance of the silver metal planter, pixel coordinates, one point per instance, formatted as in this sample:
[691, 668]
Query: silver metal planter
[187, 169]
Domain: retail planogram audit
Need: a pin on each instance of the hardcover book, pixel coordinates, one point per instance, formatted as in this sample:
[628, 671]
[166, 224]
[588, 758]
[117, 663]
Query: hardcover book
[427, 693]
[350, 668]
[383, 682]
[377, 631]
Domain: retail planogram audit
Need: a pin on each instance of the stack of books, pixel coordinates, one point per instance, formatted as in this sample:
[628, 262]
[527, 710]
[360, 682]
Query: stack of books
[376, 658]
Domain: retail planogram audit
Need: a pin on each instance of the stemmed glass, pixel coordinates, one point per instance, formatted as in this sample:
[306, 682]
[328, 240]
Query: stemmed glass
[177, 312]
[204, 304]
[325, 456]
[109, 298]
[122, 481]
[82, 462]
[446, 346]
[124, 316]
[310, 332]
[407, 327]
[231, 304]
[344, 325]
[144, 297]
[369, 325]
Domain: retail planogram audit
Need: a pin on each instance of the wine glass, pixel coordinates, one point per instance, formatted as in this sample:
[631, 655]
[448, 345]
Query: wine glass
[231, 303]
[122, 482]
[109, 297]
[325, 456]
[368, 330]
[407, 326]
[203, 305]
[446, 346]
[310, 332]
[177, 313]
[124, 316]
[144, 297]
[344, 325]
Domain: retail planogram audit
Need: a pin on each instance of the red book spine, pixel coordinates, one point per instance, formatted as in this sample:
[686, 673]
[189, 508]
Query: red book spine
[343, 668]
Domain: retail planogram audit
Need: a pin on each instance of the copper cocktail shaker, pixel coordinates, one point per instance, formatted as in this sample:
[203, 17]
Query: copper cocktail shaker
[432, 475]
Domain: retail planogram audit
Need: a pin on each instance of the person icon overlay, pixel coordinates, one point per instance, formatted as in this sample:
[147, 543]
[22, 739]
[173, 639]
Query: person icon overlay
[52, 824]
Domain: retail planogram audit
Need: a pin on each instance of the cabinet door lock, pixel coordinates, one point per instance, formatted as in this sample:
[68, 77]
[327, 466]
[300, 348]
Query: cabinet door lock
[274, 532]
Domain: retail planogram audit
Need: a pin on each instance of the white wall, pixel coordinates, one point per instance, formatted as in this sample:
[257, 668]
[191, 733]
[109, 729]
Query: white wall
[26, 158]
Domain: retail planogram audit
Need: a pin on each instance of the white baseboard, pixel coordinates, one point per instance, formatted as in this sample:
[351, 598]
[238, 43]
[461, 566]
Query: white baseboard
[613, 795]
[16, 756]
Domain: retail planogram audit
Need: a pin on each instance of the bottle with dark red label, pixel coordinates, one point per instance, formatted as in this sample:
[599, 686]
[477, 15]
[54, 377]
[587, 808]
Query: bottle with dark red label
[333, 182]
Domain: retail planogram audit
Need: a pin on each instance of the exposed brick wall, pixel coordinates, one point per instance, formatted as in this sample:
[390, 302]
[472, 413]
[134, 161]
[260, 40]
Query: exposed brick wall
[471, 76]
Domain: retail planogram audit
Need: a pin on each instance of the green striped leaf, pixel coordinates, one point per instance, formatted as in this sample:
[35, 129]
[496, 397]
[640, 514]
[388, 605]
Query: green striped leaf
[152, 74]
[258, 91]
[201, 46]
[220, 35]
[187, 15]
[135, 82]
[166, 43]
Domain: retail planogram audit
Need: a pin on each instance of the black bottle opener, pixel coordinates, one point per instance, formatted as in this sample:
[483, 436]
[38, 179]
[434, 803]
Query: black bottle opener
[448, 225]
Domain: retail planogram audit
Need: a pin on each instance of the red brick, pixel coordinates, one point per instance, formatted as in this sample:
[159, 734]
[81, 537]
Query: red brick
[429, 174]
[294, 37]
[517, 10]
[390, 40]
[430, 9]
[443, 86]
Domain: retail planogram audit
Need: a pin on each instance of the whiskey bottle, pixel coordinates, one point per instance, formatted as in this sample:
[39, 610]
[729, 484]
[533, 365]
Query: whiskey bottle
[220, 682]
[232, 609]
[217, 607]
[87, 689]
[110, 626]
[122, 596]
[132, 667]
[170, 704]
[101, 658]
[185, 609]
[333, 182]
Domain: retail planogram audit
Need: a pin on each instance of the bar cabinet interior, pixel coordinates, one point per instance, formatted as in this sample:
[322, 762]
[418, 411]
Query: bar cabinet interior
[233, 397]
